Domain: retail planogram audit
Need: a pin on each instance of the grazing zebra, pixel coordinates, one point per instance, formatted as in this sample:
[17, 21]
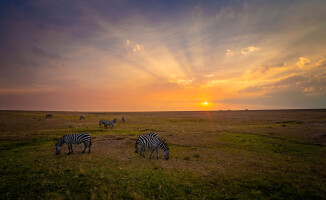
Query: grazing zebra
[106, 123]
[152, 143]
[74, 139]
[102, 121]
[109, 123]
[81, 117]
[123, 119]
[48, 116]
[143, 137]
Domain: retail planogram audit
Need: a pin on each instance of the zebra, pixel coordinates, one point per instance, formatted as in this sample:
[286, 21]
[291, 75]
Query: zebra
[106, 123]
[115, 120]
[74, 139]
[48, 116]
[109, 123]
[102, 121]
[154, 143]
[81, 117]
[143, 137]
[123, 119]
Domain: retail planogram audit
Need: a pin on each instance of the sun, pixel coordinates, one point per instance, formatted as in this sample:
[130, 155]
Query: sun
[205, 103]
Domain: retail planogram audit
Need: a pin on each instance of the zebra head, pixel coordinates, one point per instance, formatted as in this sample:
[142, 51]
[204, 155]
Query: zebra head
[166, 154]
[58, 146]
[165, 148]
[136, 147]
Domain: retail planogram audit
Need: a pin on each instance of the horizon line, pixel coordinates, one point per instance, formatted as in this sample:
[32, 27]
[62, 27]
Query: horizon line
[220, 110]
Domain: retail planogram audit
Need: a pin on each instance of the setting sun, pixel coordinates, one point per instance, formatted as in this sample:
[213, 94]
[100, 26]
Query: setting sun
[205, 103]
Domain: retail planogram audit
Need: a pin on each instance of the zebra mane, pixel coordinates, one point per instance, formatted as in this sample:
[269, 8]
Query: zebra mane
[163, 145]
[60, 141]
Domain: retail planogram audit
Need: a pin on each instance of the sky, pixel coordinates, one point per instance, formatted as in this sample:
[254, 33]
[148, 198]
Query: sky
[137, 55]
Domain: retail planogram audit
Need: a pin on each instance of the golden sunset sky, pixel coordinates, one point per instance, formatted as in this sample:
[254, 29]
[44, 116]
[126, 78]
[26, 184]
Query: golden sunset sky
[162, 55]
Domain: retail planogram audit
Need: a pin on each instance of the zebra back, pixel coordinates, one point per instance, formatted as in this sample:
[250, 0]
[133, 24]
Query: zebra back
[76, 138]
[108, 123]
[143, 138]
[102, 121]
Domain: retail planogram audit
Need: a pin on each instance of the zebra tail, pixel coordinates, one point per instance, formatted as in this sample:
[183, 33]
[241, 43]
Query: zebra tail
[90, 141]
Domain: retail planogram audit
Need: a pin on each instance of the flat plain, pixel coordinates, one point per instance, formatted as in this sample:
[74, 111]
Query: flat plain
[213, 155]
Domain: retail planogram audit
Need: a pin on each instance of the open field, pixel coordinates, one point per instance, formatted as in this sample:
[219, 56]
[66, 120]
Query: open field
[213, 155]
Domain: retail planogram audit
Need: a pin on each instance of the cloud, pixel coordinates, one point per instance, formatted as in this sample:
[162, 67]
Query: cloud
[137, 47]
[39, 52]
[321, 63]
[249, 49]
[251, 89]
[265, 68]
[104, 45]
[229, 52]
[291, 80]
[303, 62]
[185, 82]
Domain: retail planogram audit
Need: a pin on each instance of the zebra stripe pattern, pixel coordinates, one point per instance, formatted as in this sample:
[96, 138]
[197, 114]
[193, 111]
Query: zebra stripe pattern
[48, 116]
[102, 121]
[74, 139]
[106, 123]
[153, 143]
[143, 137]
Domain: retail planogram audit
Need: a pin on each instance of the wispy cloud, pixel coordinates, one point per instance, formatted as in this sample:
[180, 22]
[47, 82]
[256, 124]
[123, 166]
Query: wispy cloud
[249, 49]
[229, 52]
[125, 53]
[303, 62]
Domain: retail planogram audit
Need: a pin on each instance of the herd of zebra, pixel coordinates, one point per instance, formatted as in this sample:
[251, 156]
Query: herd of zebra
[149, 140]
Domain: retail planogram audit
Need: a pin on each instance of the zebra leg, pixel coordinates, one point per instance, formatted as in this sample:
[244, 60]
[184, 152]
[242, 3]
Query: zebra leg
[157, 153]
[69, 147]
[85, 145]
[151, 154]
[143, 150]
[89, 145]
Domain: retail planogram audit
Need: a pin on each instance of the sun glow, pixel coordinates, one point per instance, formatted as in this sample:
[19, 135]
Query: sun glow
[205, 103]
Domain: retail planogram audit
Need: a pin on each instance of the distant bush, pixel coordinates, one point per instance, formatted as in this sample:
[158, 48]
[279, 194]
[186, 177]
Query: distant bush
[186, 158]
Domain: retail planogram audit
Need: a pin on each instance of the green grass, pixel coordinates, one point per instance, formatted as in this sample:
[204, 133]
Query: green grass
[210, 158]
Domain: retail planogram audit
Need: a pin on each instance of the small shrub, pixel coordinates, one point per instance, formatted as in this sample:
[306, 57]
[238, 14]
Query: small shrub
[186, 158]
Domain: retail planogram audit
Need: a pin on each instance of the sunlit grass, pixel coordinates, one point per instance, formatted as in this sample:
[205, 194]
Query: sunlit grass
[215, 155]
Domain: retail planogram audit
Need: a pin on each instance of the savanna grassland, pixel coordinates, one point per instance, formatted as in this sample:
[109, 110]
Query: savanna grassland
[213, 155]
